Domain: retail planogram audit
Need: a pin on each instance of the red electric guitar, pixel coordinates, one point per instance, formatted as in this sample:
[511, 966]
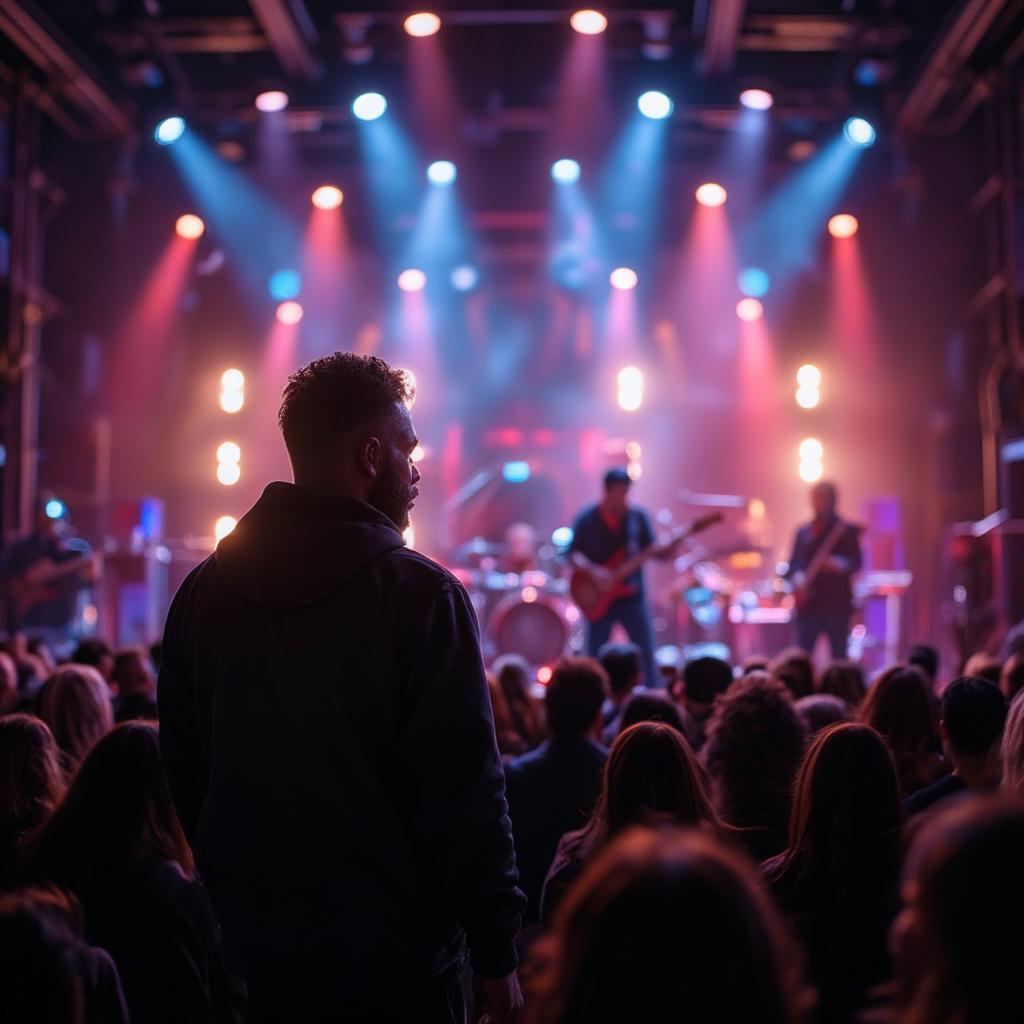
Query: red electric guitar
[594, 597]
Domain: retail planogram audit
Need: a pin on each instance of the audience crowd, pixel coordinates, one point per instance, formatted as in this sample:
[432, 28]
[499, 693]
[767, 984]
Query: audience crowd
[764, 842]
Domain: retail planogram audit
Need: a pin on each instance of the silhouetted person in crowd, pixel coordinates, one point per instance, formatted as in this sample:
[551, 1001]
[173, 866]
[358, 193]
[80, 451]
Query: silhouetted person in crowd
[958, 944]
[75, 703]
[899, 706]
[838, 878]
[96, 653]
[8, 684]
[115, 842]
[971, 725]
[135, 678]
[50, 974]
[515, 677]
[31, 783]
[753, 750]
[1011, 679]
[667, 925]
[651, 777]
[845, 680]
[984, 666]
[327, 731]
[510, 742]
[651, 707]
[704, 680]
[925, 658]
[818, 711]
[552, 789]
[1013, 749]
[625, 668]
[794, 667]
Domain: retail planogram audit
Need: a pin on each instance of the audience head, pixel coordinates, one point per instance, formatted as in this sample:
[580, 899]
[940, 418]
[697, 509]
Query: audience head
[651, 707]
[755, 663]
[514, 677]
[1011, 681]
[794, 667]
[75, 703]
[133, 673]
[117, 812]
[704, 679]
[509, 740]
[1013, 748]
[818, 711]
[926, 659]
[845, 680]
[958, 943]
[847, 811]
[31, 778]
[624, 666]
[899, 707]
[96, 653]
[347, 428]
[984, 666]
[8, 684]
[753, 750]
[973, 717]
[575, 696]
[617, 939]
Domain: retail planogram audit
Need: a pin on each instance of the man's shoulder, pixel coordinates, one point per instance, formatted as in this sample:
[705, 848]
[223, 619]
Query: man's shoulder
[417, 567]
[945, 787]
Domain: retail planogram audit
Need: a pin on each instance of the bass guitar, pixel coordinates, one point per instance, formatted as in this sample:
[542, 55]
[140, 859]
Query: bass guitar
[595, 596]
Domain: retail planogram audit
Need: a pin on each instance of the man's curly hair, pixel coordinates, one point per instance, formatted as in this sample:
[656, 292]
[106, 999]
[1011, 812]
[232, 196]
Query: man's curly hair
[334, 395]
[754, 747]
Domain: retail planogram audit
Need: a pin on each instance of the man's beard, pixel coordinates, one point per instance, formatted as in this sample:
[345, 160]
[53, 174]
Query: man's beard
[392, 497]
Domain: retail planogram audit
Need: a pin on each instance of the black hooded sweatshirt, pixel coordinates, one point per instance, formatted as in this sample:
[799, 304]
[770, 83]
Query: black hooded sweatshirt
[327, 732]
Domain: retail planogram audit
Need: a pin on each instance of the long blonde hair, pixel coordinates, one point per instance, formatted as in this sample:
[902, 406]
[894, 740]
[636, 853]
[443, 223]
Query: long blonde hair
[1013, 747]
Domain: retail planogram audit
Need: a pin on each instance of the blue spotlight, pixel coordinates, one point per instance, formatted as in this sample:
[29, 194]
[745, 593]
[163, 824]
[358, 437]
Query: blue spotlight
[441, 172]
[754, 282]
[859, 132]
[284, 284]
[369, 106]
[562, 537]
[56, 509]
[565, 171]
[465, 278]
[169, 130]
[516, 472]
[655, 105]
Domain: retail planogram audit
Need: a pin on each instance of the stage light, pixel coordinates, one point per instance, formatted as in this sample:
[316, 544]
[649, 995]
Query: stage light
[749, 310]
[223, 526]
[754, 282]
[465, 278]
[515, 472]
[169, 130]
[756, 99]
[188, 225]
[635, 470]
[811, 450]
[419, 453]
[655, 105]
[55, 509]
[272, 101]
[528, 595]
[711, 194]
[409, 536]
[633, 451]
[623, 278]
[808, 376]
[229, 473]
[423, 23]
[562, 537]
[369, 106]
[565, 171]
[284, 284]
[232, 390]
[327, 197]
[588, 22]
[412, 280]
[843, 225]
[441, 172]
[544, 674]
[811, 472]
[631, 389]
[859, 132]
[289, 313]
[808, 398]
[228, 452]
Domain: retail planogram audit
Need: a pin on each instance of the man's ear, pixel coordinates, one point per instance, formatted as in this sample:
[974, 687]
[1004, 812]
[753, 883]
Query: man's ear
[372, 456]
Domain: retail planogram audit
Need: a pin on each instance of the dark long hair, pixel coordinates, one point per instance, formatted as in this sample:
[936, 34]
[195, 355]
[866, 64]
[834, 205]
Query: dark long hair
[847, 813]
[31, 778]
[651, 775]
[116, 814]
[666, 925]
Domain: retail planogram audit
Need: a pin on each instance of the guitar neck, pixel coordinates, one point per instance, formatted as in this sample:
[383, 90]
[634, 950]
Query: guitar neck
[631, 565]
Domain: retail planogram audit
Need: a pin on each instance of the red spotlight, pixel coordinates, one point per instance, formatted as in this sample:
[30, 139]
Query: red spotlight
[327, 197]
[843, 225]
[749, 310]
[188, 225]
[711, 194]
[588, 22]
[289, 313]
[423, 23]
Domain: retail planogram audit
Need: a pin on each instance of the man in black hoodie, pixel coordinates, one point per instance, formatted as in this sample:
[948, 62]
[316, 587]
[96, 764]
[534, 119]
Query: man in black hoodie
[327, 733]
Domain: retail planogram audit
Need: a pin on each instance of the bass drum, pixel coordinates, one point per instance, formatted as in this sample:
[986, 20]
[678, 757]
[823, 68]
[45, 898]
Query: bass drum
[532, 624]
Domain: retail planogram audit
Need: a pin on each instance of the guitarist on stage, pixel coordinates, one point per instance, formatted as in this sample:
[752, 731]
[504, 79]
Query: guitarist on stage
[602, 532]
[44, 573]
[826, 555]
